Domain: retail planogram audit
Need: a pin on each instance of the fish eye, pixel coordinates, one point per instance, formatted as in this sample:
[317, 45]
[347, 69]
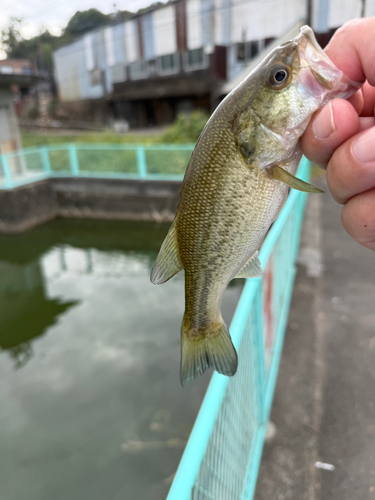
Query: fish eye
[279, 77]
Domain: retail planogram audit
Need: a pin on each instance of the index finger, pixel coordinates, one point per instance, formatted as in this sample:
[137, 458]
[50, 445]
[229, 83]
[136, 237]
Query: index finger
[352, 49]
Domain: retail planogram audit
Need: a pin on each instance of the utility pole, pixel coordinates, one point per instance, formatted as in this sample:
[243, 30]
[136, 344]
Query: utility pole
[309, 12]
[363, 10]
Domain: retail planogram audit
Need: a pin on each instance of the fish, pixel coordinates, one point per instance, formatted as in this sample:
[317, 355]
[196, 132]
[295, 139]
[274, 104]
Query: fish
[235, 184]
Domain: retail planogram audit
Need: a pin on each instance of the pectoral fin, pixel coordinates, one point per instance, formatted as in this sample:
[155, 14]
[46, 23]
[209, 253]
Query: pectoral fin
[282, 175]
[168, 261]
[252, 268]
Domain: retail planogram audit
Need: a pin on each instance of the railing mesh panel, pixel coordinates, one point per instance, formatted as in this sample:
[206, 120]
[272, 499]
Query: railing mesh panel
[223, 471]
[167, 162]
[107, 161]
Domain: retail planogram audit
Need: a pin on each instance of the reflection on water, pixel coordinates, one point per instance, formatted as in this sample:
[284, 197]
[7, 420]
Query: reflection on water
[25, 311]
[90, 401]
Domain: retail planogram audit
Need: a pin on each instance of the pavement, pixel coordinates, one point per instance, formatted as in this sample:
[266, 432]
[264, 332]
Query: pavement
[321, 443]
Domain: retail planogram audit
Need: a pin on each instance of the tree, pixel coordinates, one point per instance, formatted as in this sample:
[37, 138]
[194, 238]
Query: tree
[39, 49]
[84, 21]
[11, 36]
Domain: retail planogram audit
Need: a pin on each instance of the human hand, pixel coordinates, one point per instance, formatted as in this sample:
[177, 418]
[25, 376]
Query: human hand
[341, 136]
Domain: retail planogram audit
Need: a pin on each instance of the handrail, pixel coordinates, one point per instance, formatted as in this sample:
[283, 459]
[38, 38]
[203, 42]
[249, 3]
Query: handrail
[191, 461]
[30, 164]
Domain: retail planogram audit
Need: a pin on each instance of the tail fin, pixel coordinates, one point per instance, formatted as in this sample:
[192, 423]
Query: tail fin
[199, 352]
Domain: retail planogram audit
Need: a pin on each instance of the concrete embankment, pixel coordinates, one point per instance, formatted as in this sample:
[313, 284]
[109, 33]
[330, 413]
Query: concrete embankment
[31, 205]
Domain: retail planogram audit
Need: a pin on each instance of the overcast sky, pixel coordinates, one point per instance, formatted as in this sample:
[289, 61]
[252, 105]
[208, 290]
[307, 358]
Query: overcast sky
[54, 14]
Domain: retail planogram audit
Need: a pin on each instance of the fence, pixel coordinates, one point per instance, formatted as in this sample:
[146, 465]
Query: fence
[222, 456]
[122, 161]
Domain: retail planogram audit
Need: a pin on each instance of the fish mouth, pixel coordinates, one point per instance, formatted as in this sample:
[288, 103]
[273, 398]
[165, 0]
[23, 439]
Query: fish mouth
[318, 75]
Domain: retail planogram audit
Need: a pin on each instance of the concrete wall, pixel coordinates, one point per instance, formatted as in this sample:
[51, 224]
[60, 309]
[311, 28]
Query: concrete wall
[26, 207]
[10, 138]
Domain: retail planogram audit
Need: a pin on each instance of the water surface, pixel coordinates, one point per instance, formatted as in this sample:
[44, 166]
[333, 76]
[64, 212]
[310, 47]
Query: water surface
[90, 401]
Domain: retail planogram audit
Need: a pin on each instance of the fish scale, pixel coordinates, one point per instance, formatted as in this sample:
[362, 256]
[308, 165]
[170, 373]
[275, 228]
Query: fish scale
[236, 181]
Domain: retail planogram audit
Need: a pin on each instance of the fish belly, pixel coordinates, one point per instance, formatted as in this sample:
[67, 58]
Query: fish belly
[219, 229]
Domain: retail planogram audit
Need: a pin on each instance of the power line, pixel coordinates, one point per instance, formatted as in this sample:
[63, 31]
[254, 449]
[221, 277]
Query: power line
[199, 13]
[126, 35]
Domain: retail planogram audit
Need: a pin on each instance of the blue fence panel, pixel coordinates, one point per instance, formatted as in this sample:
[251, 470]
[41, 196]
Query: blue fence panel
[113, 161]
[222, 456]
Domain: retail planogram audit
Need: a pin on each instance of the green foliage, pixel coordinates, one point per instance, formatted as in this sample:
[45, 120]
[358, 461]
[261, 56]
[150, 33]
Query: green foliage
[186, 128]
[87, 20]
[53, 107]
[30, 139]
[11, 36]
[158, 162]
[33, 112]
[39, 49]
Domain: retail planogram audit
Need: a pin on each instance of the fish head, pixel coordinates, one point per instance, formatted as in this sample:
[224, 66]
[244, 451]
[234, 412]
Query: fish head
[293, 81]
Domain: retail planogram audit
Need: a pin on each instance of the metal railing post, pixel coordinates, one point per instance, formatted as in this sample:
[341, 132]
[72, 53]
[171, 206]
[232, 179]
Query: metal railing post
[46, 164]
[141, 161]
[6, 172]
[73, 158]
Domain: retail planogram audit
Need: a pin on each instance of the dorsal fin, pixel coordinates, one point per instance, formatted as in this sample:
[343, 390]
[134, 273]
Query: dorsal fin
[168, 261]
[252, 268]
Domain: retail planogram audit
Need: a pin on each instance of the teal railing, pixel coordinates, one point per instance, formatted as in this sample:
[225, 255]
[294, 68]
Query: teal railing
[222, 456]
[119, 161]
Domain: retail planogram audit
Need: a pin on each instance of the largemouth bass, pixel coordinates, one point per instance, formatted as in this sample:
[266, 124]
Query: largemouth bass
[236, 181]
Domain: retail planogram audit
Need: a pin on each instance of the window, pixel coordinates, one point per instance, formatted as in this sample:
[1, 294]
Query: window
[168, 64]
[139, 69]
[195, 59]
[254, 49]
[247, 51]
[118, 73]
[241, 52]
[96, 77]
[8, 70]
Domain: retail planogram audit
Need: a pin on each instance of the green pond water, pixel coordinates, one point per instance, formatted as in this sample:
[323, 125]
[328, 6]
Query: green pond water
[90, 401]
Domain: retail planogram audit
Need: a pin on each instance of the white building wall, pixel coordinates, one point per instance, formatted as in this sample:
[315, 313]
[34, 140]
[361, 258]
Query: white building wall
[341, 11]
[89, 52]
[370, 8]
[218, 22]
[256, 20]
[193, 24]
[131, 41]
[67, 70]
[109, 46]
[164, 24]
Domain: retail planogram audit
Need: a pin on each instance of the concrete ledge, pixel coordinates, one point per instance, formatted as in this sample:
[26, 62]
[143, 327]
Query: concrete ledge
[28, 206]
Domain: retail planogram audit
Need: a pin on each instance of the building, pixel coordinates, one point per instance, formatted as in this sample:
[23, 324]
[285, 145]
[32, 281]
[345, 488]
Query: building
[16, 78]
[24, 91]
[176, 57]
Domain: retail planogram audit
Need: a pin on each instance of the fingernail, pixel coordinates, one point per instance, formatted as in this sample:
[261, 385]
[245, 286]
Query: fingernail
[324, 124]
[364, 147]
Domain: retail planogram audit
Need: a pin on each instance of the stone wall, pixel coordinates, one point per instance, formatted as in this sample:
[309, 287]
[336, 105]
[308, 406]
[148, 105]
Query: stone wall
[28, 206]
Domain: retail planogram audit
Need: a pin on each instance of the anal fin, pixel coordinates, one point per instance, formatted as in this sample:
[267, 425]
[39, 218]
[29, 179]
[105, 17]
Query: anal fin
[168, 261]
[252, 268]
[282, 175]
